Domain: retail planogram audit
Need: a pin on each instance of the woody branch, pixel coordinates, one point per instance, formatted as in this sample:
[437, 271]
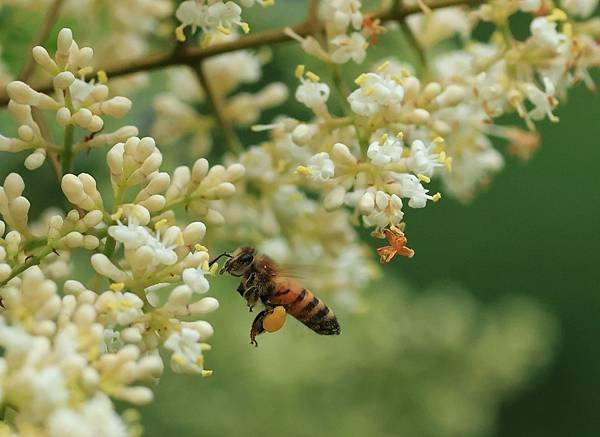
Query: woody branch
[194, 55]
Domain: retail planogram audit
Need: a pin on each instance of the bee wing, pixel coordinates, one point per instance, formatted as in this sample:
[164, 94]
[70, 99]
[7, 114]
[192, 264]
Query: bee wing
[300, 271]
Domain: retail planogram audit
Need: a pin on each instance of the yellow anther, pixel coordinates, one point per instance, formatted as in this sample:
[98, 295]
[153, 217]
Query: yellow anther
[400, 135]
[398, 79]
[179, 359]
[438, 140]
[102, 77]
[299, 72]
[383, 66]
[383, 138]
[568, 29]
[303, 171]
[200, 360]
[160, 224]
[200, 248]
[224, 30]
[436, 197]
[245, 27]
[205, 347]
[179, 34]
[85, 71]
[117, 215]
[370, 91]
[117, 287]
[557, 15]
[423, 178]
[404, 72]
[360, 79]
[312, 76]
[448, 163]
[206, 373]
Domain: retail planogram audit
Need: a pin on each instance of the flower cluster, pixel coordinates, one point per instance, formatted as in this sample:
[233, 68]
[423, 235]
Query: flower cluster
[367, 152]
[213, 17]
[78, 103]
[176, 116]
[89, 343]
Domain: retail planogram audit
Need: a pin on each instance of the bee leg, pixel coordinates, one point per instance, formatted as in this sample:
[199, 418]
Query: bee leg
[257, 325]
[241, 289]
[251, 296]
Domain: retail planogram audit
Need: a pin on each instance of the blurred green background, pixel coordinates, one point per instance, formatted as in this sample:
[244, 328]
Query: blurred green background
[427, 358]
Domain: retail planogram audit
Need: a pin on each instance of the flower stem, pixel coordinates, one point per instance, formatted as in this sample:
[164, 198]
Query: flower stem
[193, 55]
[67, 152]
[32, 260]
[218, 105]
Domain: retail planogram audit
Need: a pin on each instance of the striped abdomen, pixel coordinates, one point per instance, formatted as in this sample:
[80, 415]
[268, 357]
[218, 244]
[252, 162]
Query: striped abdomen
[306, 307]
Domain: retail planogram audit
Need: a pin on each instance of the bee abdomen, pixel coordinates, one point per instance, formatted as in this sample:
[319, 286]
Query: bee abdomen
[314, 313]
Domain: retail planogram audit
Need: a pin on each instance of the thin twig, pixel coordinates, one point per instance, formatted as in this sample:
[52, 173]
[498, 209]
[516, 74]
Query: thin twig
[416, 44]
[313, 11]
[218, 106]
[194, 55]
[40, 38]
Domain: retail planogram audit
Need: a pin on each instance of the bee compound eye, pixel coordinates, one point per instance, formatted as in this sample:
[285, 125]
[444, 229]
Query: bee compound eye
[246, 258]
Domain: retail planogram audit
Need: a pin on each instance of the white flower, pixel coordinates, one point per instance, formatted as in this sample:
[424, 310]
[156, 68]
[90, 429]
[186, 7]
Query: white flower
[376, 93]
[383, 154]
[187, 351]
[94, 418]
[582, 8]
[218, 15]
[530, 5]
[321, 167]
[387, 209]
[543, 32]
[194, 278]
[422, 160]
[543, 101]
[411, 187]
[349, 47]
[312, 94]
[341, 14]
[133, 236]
[119, 308]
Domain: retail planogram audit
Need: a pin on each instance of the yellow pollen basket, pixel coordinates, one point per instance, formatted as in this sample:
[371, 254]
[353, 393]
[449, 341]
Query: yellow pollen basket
[275, 321]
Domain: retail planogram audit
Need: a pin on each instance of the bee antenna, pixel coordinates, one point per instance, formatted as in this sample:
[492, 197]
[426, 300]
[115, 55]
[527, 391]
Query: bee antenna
[219, 257]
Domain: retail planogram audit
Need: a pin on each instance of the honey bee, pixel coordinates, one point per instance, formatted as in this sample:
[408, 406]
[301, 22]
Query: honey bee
[263, 280]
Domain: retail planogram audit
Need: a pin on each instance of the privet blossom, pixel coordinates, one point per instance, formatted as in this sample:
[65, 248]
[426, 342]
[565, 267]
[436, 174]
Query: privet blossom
[369, 150]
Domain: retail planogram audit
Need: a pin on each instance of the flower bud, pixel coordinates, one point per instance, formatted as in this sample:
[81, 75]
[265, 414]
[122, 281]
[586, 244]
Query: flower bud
[194, 233]
[63, 80]
[41, 56]
[35, 160]
[116, 107]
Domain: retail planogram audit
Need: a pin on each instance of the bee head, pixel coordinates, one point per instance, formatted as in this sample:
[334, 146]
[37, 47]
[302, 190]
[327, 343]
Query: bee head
[240, 261]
